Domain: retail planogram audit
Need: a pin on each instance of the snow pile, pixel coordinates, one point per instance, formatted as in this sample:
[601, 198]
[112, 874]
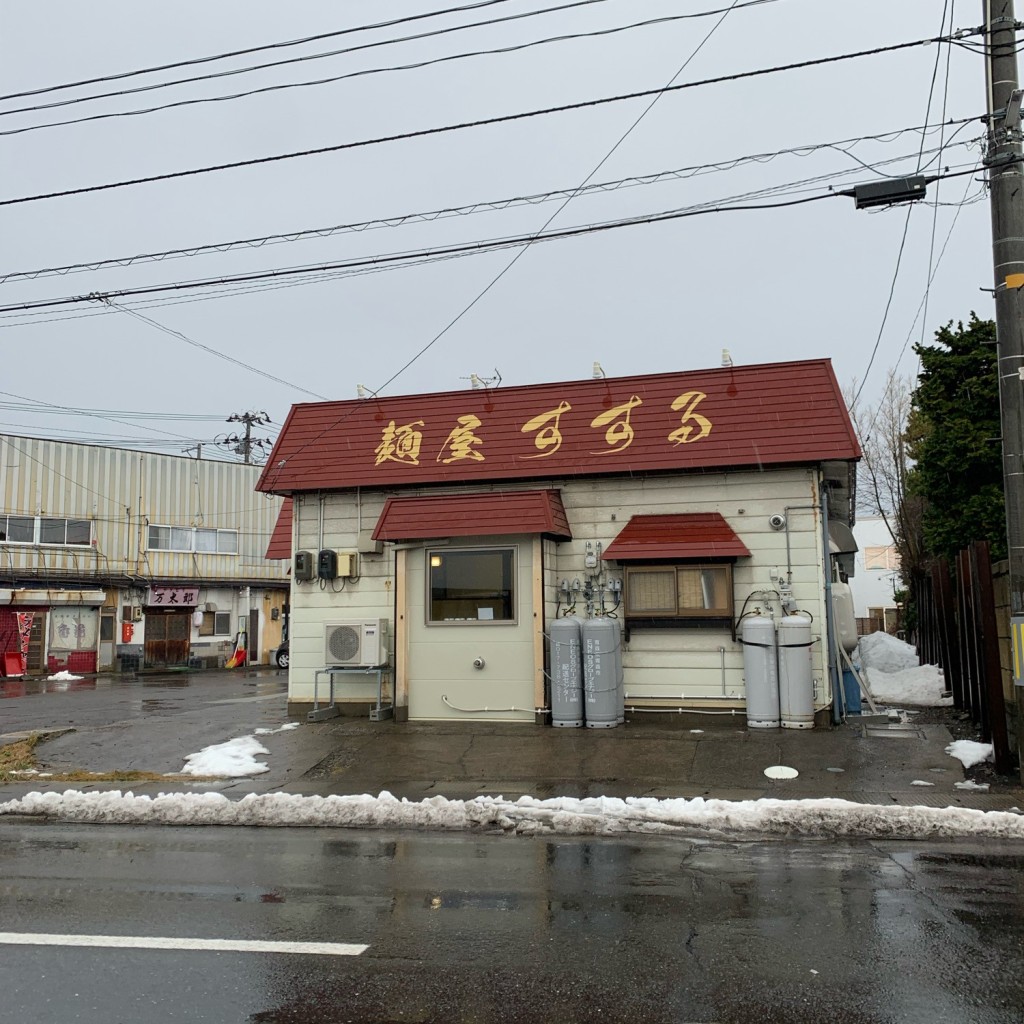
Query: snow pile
[234, 759]
[281, 728]
[971, 753]
[885, 653]
[894, 676]
[64, 676]
[528, 815]
[922, 686]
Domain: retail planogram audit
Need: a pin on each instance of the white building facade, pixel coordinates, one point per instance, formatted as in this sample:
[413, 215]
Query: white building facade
[877, 576]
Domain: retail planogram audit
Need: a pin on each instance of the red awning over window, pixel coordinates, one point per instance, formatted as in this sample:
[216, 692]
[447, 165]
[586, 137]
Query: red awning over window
[471, 515]
[686, 535]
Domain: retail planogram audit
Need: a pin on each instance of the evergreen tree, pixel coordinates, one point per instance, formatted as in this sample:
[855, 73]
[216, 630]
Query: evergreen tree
[953, 437]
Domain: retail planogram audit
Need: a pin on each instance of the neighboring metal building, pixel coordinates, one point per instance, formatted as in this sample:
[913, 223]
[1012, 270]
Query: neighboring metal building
[114, 557]
[460, 525]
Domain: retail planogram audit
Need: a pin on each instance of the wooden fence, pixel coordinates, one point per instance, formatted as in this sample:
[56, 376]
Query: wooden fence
[958, 628]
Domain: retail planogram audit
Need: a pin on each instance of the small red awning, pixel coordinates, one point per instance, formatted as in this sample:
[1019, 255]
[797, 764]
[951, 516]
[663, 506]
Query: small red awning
[686, 535]
[471, 515]
[280, 545]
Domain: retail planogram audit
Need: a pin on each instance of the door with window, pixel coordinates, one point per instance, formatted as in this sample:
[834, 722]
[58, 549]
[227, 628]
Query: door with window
[469, 609]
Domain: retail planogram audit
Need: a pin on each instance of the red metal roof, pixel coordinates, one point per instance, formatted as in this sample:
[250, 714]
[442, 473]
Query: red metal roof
[687, 535]
[469, 515]
[280, 545]
[737, 416]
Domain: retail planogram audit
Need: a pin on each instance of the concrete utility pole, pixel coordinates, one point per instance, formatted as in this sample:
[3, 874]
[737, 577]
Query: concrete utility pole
[244, 445]
[1006, 194]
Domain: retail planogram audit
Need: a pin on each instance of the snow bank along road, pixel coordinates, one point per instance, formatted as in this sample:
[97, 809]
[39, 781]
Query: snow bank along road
[527, 815]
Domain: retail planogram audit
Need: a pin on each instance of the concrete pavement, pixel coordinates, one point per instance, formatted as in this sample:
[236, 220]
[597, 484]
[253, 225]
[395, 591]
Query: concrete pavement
[111, 723]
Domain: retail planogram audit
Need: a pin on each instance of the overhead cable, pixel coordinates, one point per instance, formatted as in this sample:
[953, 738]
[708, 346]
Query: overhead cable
[252, 49]
[331, 79]
[500, 119]
[398, 220]
[440, 252]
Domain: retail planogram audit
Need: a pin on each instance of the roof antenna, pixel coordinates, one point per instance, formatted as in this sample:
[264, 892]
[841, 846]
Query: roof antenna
[476, 381]
[598, 372]
[364, 392]
[726, 358]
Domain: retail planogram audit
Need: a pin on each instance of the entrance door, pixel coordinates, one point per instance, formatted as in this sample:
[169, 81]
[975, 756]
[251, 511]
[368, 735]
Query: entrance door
[470, 622]
[167, 639]
[107, 626]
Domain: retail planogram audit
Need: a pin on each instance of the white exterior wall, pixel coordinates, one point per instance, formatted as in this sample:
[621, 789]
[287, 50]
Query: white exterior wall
[686, 664]
[664, 666]
[334, 521]
[872, 588]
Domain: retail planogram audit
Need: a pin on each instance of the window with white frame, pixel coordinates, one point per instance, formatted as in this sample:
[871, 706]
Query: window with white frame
[49, 530]
[196, 539]
[882, 558]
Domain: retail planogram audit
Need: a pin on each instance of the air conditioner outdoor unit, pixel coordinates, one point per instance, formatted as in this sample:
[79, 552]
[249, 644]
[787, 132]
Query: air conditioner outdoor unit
[361, 643]
[136, 613]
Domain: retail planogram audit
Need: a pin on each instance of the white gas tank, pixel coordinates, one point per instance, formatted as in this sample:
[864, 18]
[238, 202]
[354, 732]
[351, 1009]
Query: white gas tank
[846, 621]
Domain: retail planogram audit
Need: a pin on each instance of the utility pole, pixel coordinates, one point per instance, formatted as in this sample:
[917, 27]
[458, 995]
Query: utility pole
[244, 445]
[1006, 194]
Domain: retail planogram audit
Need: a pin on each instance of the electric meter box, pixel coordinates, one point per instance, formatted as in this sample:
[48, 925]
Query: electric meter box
[303, 565]
[327, 564]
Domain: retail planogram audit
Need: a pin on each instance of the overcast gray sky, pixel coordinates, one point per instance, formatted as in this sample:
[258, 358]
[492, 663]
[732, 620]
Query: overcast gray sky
[804, 281]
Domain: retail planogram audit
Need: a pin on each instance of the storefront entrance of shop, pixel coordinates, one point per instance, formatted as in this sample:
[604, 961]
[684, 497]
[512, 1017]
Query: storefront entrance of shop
[167, 638]
[470, 621]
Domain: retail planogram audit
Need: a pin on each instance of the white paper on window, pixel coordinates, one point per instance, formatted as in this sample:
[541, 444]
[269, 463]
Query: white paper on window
[74, 629]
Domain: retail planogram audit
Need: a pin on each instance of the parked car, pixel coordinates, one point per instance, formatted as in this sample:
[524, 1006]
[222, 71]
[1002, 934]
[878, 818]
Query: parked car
[281, 656]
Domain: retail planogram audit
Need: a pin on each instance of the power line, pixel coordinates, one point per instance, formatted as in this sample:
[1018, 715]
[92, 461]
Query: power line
[471, 247]
[489, 205]
[906, 224]
[935, 211]
[413, 257]
[540, 233]
[920, 308]
[212, 351]
[417, 37]
[97, 415]
[500, 119]
[252, 49]
[415, 65]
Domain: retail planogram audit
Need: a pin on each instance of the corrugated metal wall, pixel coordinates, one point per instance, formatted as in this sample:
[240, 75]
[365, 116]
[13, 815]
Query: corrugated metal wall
[123, 492]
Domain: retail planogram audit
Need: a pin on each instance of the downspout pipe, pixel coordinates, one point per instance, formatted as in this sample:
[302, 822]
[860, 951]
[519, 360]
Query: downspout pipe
[830, 623]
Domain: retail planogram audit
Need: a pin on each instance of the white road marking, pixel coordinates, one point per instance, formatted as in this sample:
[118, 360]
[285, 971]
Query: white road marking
[152, 942]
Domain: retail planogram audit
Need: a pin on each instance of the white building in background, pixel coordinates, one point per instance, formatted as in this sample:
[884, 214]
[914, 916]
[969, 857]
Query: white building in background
[877, 575]
[110, 556]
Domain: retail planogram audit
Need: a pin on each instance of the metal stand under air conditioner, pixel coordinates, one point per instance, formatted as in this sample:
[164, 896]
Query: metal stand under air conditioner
[379, 713]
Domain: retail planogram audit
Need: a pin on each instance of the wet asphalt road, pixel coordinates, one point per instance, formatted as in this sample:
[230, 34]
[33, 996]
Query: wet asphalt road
[149, 723]
[488, 928]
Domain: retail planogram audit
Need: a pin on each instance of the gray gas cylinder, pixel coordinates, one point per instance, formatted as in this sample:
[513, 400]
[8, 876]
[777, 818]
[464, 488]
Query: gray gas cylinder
[796, 678]
[602, 672]
[760, 671]
[566, 645]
